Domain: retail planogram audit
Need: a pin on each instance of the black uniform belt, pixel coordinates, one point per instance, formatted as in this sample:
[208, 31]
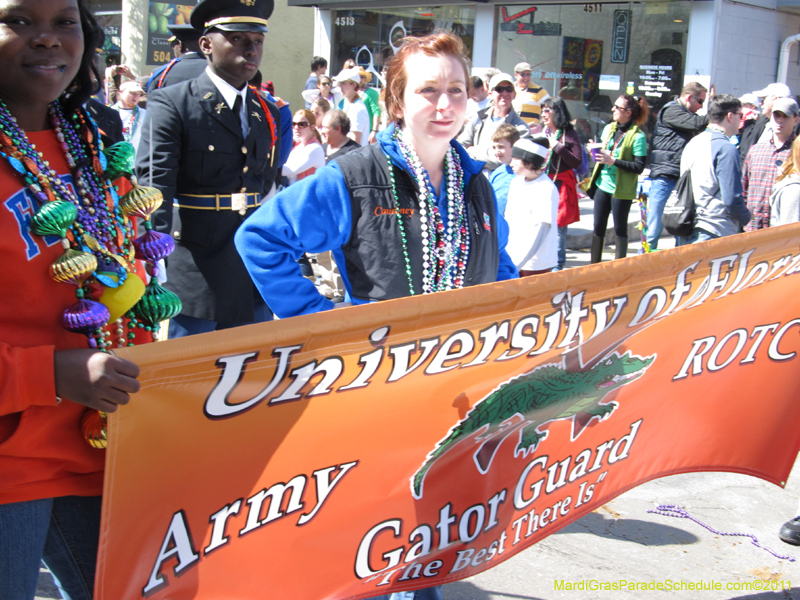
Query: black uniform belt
[240, 202]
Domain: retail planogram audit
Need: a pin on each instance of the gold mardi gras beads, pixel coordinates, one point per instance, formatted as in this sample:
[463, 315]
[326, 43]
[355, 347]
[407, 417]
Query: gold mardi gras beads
[73, 267]
[141, 202]
[94, 426]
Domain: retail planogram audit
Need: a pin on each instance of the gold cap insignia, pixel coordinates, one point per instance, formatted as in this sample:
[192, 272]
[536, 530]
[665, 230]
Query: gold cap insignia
[248, 2]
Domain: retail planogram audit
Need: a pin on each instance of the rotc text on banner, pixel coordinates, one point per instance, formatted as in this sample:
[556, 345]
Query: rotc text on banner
[419, 441]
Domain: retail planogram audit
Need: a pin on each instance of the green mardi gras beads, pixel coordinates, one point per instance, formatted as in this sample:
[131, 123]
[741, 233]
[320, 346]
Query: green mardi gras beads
[54, 218]
[157, 304]
[120, 160]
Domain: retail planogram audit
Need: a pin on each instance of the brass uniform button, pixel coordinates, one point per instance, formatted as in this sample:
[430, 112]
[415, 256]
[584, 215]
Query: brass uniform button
[244, 150]
[210, 148]
[245, 169]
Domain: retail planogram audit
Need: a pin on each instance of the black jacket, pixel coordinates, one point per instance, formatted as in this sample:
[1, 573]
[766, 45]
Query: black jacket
[750, 137]
[675, 126]
[108, 122]
[197, 148]
[374, 263]
[190, 66]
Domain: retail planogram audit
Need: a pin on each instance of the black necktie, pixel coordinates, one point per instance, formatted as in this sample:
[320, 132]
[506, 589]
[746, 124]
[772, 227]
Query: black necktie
[237, 111]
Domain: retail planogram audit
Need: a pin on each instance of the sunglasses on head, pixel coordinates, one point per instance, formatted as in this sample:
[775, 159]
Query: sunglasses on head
[504, 88]
[300, 124]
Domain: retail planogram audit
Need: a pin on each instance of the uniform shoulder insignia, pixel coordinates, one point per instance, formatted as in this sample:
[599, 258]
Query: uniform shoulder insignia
[208, 96]
[219, 107]
[256, 115]
[254, 101]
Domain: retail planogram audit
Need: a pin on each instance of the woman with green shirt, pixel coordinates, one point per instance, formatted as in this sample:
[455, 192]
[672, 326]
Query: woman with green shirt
[616, 172]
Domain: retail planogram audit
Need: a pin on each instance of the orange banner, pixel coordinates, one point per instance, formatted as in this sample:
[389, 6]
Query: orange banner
[415, 442]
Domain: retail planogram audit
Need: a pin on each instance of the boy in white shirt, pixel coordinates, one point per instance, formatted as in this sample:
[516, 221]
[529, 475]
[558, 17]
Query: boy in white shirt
[532, 210]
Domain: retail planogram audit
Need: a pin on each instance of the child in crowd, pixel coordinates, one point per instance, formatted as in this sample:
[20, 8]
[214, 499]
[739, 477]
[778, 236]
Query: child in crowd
[502, 141]
[532, 210]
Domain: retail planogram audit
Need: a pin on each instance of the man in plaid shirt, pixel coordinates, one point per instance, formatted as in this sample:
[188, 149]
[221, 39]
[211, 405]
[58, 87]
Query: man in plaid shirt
[765, 160]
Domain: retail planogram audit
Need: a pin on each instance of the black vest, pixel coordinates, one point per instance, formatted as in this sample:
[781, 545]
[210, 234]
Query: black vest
[374, 257]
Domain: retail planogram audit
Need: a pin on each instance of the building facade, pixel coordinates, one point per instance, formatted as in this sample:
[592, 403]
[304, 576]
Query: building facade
[586, 53]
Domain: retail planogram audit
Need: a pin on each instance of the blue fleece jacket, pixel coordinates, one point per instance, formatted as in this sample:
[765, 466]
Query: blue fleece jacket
[314, 215]
[501, 179]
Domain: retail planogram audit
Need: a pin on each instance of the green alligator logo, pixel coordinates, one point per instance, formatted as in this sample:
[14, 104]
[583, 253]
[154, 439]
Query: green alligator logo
[529, 402]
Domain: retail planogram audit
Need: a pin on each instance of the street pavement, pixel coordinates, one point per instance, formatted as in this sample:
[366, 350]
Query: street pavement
[623, 541]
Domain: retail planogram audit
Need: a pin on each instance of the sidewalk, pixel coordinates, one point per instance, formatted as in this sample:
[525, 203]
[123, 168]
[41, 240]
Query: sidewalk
[622, 540]
[579, 235]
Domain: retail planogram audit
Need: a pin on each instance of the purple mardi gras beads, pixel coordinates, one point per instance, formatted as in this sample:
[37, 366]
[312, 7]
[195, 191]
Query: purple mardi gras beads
[153, 246]
[85, 316]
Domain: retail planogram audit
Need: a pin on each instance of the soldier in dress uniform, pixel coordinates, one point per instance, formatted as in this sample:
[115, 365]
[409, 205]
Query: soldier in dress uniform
[211, 146]
[188, 63]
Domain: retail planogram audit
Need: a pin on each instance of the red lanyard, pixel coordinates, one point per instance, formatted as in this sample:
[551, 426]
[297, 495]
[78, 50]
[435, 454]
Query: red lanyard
[270, 121]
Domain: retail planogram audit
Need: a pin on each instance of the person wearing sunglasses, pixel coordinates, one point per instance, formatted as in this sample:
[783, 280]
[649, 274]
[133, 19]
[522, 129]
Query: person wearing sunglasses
[319, 66]
[477, 134]
[677, 123]
[616, 172]
[323, 90]
[307, 154]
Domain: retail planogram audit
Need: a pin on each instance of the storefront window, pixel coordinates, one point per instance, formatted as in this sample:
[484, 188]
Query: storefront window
[372, 36]
[589, 54]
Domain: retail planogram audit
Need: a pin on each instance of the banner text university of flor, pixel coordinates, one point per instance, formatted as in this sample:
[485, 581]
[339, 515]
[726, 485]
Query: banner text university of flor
[571, 322]
[522, 407]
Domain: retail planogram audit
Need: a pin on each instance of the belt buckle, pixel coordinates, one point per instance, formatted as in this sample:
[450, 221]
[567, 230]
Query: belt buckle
[239, 202]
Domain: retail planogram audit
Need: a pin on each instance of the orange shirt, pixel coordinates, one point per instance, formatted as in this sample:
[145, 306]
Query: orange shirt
[42, 451]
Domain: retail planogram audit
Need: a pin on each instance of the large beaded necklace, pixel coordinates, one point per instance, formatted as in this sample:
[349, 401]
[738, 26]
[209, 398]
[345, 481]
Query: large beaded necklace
[445, 248]
[96, 231]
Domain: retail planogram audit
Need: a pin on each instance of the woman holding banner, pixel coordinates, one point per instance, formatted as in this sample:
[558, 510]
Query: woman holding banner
[409, 215]
[59, 212]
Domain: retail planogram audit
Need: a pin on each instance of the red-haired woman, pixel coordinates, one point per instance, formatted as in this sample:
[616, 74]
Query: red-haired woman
[437, 228]
[411, 214]
[615, 177]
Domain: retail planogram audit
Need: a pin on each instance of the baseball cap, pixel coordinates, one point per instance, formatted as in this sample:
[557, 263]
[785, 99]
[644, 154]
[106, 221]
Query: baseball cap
[779, 90]
[786, 106]
[750, 99]
[500, 78]
[348, 75]
[130, 85]
[523, 66]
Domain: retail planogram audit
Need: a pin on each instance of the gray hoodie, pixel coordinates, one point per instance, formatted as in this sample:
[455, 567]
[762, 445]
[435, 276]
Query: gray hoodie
[785, 201]
[716, 183]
